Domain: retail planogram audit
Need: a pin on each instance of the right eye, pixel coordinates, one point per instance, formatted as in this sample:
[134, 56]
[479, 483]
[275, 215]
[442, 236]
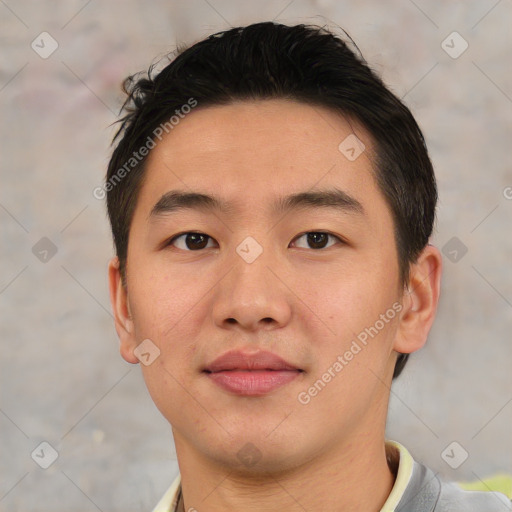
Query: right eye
[190, 241]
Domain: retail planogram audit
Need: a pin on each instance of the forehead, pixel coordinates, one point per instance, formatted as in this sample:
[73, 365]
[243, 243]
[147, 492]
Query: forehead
[250, 153]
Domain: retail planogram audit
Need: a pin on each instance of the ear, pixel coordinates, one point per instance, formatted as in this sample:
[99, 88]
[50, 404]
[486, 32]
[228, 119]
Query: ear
[420, 301]
[122, 315]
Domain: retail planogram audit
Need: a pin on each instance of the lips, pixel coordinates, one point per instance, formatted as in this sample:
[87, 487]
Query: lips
[255, 374]
[238, 360]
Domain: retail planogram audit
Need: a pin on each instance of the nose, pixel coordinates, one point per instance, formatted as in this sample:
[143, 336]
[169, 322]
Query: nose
[253, 295]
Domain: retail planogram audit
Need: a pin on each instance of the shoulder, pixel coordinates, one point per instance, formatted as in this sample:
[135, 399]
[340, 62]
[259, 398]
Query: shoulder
[454, 499]
[430, 493]
[418, 489]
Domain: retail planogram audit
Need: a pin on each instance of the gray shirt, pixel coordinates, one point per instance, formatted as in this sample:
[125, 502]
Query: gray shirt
[426, 492]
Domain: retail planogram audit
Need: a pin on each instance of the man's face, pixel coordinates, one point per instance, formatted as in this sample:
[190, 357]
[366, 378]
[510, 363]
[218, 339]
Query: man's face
[256, 281]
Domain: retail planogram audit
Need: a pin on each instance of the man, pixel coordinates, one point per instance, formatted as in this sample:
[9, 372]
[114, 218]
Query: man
[271, 203]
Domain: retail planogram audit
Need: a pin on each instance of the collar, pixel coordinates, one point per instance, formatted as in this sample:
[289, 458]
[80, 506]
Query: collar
[395, 452]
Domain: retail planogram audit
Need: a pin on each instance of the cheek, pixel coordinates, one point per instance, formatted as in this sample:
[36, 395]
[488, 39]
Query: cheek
[166, 310]
[163, 383]
[161, 300]
[360, 311]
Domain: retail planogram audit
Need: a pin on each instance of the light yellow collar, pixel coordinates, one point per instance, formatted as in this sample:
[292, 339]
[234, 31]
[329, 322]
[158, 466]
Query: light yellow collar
[169, 500]
[403, 477]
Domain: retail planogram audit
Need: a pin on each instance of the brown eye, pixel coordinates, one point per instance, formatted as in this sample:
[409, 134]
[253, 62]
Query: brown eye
[317, 239]
[190, 241]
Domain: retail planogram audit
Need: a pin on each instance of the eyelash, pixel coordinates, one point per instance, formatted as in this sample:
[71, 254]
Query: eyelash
[176, 237]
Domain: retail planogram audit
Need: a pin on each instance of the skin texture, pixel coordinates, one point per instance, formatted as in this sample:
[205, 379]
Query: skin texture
[303, 303]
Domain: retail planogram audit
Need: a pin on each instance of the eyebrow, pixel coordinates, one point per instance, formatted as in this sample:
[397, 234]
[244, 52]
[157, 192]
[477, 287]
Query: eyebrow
[178, 200]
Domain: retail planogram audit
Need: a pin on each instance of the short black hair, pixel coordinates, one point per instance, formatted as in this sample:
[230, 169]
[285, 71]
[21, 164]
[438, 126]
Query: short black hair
[268, 60]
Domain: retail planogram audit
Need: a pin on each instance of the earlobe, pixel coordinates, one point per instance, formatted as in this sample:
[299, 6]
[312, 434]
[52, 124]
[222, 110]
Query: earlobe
[122, 314]
[420, 301]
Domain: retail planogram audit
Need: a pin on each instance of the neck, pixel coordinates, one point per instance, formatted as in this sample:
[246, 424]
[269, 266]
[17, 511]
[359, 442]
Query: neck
[351, 477]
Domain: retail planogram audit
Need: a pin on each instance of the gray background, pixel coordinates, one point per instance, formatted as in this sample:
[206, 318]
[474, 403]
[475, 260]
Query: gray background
[62, 379]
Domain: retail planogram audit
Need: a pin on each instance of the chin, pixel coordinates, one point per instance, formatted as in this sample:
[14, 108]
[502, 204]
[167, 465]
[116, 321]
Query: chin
[255, 453]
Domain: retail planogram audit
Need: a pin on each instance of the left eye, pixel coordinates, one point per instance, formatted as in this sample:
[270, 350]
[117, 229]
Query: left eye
[317, 239]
